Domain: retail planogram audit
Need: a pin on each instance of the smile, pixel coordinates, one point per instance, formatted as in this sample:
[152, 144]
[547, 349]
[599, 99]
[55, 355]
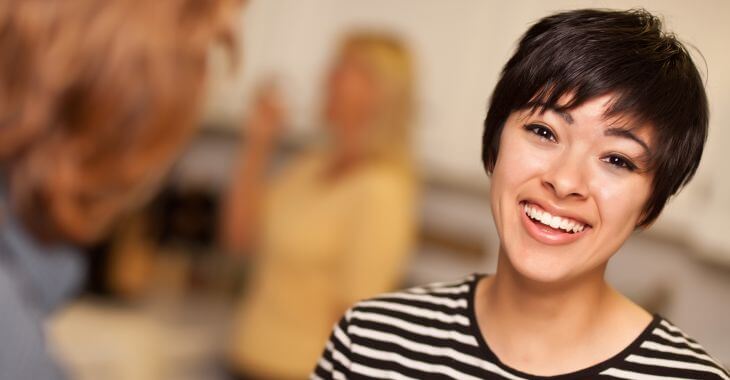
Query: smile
[548, 228]
[537, 214]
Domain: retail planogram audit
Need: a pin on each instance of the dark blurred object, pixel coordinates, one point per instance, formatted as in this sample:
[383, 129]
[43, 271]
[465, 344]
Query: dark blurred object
[179, 221]
[187, 216]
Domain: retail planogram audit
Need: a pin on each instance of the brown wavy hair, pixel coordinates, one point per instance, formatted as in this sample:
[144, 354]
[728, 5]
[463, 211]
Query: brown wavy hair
[96, 98]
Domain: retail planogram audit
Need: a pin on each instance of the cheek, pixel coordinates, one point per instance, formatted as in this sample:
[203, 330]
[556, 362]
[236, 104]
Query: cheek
[620, 201]
[519, 165]
[519, 161]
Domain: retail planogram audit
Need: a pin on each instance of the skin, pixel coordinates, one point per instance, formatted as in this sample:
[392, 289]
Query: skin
[551, 301]
[352, 97]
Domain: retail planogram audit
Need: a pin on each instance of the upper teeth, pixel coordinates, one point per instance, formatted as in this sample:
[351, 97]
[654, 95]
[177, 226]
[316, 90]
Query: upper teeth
[545, 218]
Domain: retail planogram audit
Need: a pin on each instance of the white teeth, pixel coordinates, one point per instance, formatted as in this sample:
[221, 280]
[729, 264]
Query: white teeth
[556, 222]
[564, 224]
[545, 218]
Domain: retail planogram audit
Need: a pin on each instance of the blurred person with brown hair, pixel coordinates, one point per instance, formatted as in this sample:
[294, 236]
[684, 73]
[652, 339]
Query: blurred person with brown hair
[337, 224]
[96, 99]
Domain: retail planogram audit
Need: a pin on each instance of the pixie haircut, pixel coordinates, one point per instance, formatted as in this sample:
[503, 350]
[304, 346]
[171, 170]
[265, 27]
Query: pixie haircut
[583, 54]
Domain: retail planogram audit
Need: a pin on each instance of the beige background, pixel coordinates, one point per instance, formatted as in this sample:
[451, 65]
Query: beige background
[460, 47]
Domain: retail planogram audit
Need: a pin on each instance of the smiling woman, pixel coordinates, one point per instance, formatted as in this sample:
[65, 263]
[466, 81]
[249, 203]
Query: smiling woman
[597, 119]
[568, 167]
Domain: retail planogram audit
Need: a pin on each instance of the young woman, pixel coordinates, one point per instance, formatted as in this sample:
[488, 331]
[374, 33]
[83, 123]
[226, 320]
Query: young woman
[96, 99]
[597, 119]
[337, 224]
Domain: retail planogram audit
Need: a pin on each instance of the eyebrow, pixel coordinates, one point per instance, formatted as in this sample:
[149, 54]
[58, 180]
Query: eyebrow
[621, 132]
[545, 107]
[565, 115]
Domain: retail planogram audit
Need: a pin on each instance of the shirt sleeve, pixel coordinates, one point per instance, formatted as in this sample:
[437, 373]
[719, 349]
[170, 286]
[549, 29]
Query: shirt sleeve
[336, 358]
[23, 351]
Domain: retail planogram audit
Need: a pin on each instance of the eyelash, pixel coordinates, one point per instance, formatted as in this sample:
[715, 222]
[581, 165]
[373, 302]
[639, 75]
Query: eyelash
[544, 133]
[620, 162]
[541, 131]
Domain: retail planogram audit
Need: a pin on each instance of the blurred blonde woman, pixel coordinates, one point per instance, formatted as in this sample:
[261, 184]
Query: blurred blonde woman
[96, 98]
[337, 224]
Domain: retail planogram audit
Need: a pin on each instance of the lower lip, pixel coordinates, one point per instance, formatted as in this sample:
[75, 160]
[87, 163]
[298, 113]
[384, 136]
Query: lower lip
[547, 235]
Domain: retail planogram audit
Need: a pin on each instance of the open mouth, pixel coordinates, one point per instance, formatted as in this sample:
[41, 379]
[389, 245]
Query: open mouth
[552, 223]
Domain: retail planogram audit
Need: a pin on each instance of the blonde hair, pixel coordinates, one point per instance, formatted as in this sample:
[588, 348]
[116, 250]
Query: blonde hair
[96, 97]
[391, 64]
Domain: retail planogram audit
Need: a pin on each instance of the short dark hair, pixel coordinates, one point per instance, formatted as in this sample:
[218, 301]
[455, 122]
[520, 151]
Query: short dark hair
[588, 53]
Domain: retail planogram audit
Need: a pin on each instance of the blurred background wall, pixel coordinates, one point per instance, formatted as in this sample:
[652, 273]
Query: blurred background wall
[460, 46]
[680, 267]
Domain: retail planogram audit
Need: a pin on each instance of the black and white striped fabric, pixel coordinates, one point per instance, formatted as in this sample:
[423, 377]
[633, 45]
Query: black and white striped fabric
[431, 333]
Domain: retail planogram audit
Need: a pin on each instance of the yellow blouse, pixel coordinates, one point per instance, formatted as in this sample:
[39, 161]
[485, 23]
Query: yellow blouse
[324, 246]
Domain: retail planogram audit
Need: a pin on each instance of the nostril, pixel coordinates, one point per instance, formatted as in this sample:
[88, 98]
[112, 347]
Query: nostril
[549, 185]
[565, 187]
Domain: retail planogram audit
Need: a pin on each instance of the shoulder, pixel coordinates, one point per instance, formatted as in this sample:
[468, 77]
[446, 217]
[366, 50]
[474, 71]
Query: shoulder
[435, 296]
[23, 353]
[378, 174]
[665, 349]
[383, 187]
[416, 333]
[306, 163]
[432, 312]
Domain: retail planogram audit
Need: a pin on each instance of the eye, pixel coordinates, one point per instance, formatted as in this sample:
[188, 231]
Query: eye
[541, 131]
[620, 162]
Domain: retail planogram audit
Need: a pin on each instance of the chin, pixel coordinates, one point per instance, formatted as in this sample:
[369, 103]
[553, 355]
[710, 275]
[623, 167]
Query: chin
[537, 253]
[538, 267]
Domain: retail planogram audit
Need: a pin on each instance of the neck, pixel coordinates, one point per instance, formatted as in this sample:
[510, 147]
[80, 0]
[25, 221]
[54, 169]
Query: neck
[347, 147]
[343, 159]
[537, 318]
[553, 328]
[513, 293]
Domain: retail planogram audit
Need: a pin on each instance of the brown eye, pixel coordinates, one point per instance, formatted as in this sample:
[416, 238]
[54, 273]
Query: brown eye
[620, 162]
[541, 131]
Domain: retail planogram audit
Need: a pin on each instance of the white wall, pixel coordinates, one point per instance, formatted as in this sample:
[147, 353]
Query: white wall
[460, 47]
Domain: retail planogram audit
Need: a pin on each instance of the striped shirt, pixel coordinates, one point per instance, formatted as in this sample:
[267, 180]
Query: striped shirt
[431, 332]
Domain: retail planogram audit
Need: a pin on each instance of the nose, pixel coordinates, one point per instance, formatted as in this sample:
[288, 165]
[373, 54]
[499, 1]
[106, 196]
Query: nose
[565, 178]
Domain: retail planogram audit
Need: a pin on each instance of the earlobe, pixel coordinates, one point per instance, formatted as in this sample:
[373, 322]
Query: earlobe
[642, 224]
